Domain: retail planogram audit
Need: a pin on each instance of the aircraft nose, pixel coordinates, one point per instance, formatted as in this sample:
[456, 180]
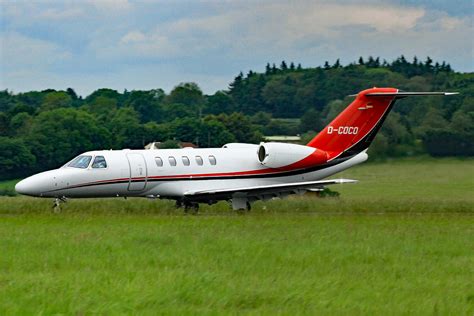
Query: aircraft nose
[35, 185]
[40, 184]
[26, 187]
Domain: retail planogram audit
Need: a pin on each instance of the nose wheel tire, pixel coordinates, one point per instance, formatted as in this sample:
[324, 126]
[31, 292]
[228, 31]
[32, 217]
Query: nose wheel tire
[57, 204]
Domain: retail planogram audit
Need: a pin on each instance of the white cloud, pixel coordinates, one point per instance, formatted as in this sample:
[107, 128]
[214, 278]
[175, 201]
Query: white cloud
[19, 52]
[135, 44]
[178, 41]
[260, 28]
[108, 6]
[61, 14]
[133, 37]
[326, 17]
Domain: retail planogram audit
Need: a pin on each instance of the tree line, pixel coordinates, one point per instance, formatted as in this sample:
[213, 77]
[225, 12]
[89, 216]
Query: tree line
[40, 130]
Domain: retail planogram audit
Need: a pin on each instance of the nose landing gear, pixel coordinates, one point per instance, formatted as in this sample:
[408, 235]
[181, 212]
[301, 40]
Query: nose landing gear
[57, 203]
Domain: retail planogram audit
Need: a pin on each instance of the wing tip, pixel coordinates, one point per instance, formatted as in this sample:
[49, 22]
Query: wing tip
[341, 181]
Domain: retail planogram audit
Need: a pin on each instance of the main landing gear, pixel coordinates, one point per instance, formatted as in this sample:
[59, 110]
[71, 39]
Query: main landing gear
[247, 208]
[189, 207]
[241, 204]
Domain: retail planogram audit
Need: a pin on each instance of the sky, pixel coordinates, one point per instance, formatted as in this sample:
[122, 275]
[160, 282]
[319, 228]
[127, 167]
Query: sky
[141, 45]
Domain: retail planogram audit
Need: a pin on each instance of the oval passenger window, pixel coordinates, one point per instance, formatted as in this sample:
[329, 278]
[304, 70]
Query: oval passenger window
[159, 161]
[172, 161]
[186, 161]
[212, 160]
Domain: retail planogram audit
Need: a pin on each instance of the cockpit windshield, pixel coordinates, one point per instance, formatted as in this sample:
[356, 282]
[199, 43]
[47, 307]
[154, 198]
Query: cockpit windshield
[99, 162]
[80, 162]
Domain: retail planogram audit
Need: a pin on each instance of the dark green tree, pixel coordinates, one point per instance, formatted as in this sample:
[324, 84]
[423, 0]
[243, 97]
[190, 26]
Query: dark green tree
[16, 159]
[126, 130]
[268, 69]
[55, 100]
[147, 104]
[220, 102]
[108, 93]
[187, 93]
[213, 133]
[241, 127]
[58, 135]
[103, 108]
[311, 121]
[4, 124]
[72, 94]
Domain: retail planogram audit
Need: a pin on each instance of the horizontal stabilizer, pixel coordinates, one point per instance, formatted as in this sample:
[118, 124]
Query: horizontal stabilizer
[402, 94]
[407, 94]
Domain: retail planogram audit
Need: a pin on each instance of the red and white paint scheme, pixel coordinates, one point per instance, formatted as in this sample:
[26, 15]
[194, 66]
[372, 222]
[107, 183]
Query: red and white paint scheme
[237, 172]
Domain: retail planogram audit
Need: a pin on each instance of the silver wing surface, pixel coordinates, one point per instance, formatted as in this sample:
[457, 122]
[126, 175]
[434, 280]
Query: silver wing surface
[263, 191]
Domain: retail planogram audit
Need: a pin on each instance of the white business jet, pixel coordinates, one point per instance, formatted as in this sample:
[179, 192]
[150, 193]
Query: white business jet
[238, 172]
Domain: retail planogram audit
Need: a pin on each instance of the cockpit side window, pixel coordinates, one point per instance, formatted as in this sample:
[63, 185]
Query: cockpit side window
[80, 162]
[99, 162]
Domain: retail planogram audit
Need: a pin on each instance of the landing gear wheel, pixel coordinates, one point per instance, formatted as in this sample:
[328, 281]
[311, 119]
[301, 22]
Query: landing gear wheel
[249, 207]
[57, 204]
[191, 208]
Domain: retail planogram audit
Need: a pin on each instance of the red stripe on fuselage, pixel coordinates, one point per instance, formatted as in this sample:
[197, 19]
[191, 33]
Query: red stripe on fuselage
[305, 162]
[317, 157]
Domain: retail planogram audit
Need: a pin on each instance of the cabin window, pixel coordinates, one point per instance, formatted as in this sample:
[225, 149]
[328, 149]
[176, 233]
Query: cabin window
[199, 160]
[212, 160]
[99, 162]
[186, 161]
[80, 162]
[159, 161]
[172, 161]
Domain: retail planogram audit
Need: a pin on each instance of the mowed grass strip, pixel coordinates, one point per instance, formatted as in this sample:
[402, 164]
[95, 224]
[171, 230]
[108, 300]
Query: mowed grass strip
[382, 247]
[261, 264]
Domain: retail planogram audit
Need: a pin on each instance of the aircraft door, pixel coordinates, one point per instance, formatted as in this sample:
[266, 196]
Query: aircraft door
[138, 172]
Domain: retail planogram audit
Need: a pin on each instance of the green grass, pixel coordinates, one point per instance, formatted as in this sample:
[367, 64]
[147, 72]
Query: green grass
[426, 179]
[399, 242]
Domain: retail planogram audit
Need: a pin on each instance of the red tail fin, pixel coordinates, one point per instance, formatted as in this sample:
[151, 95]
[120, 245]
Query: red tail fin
[354, 128]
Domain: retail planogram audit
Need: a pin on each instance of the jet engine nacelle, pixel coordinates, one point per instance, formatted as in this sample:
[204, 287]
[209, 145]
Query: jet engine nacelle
[277, 155]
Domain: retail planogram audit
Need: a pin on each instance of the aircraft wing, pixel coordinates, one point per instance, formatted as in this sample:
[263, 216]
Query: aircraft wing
[265, 189]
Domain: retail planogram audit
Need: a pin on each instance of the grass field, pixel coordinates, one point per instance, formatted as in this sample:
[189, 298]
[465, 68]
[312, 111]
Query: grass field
[399, 242]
